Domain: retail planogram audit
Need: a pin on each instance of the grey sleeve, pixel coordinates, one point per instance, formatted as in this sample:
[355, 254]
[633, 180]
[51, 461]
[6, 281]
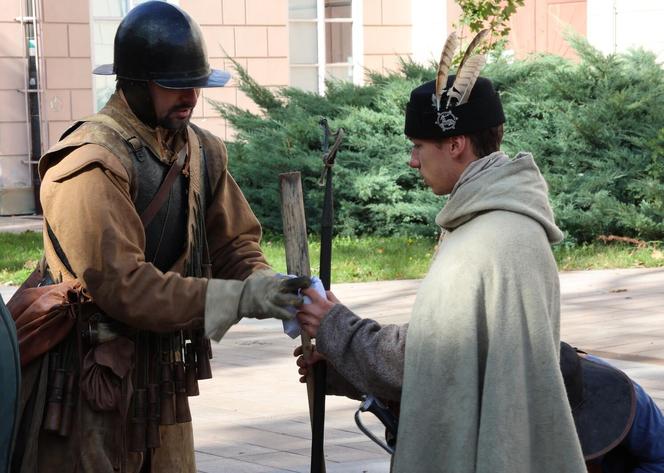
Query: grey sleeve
[369, 356]
[337, 385]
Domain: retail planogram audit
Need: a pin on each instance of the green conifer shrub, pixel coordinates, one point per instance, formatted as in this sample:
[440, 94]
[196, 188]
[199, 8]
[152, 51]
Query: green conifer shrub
[595, 127]
[375, 191]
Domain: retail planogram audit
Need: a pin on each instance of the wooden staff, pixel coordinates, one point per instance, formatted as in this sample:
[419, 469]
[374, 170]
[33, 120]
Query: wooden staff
[297, 262]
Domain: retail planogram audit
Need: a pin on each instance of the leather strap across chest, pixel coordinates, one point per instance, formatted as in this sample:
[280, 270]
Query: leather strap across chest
[164, 189]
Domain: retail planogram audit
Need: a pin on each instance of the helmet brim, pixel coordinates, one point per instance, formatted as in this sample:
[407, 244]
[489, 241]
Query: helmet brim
[104, 70]
[217, 78]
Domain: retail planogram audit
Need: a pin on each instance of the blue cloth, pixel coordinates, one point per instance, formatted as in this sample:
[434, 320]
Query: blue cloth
[645, 440]
[292, 326]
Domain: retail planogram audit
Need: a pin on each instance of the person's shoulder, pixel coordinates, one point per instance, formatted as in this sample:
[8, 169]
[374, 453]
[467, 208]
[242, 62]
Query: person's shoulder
[86, 157]
[87, 142]
[499, 236]
[502, 226]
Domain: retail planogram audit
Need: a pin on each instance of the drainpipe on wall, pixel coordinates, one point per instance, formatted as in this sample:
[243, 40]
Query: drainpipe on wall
[32, 92]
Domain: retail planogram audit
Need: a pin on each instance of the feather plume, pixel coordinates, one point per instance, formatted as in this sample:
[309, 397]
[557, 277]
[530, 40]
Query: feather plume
[446, 57]
[479, 37]
[465, 80]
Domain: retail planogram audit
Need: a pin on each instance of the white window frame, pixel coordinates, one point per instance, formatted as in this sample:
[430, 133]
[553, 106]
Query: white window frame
[357, 42]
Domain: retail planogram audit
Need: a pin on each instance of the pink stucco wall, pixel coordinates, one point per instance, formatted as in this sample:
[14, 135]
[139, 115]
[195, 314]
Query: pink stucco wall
[13, 126]
[387, 33]
[539, 26]
[66, 77]
[254, 33]
[15, 178]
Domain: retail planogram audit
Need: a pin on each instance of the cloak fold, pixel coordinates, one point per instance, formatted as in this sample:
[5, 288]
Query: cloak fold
[482, 388]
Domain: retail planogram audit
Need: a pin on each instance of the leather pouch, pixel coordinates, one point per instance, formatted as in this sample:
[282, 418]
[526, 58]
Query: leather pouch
[43, 315]
[104, 369]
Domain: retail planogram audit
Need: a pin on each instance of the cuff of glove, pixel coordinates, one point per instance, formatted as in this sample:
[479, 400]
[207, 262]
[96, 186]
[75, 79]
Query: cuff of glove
[222, 300]
[263, 272]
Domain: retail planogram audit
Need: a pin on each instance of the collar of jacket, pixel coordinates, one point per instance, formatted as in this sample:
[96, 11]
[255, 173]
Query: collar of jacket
[161, 142]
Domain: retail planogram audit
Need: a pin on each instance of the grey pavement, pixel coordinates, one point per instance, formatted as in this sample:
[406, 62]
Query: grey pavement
[253, 417]
[21, 223]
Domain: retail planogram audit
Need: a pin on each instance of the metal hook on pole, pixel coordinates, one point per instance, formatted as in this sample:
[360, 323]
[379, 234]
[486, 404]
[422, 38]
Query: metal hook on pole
[329, 153]
[327, 224]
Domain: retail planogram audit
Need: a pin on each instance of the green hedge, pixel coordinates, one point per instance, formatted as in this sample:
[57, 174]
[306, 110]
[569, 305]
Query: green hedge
[595, 127]
[597, 131]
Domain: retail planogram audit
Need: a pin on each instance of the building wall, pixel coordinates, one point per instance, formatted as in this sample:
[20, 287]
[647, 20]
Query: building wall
[15, 181]
[539, 26]
[67, 66]
[609, 25]
[387, 33]
[620, 25]
[429, 29]
[254, 33]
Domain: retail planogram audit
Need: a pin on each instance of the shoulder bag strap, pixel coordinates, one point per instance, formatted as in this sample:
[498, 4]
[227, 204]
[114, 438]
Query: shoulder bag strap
[160, 197]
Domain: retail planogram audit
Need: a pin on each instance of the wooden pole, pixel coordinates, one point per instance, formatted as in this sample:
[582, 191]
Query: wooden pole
[297, 254]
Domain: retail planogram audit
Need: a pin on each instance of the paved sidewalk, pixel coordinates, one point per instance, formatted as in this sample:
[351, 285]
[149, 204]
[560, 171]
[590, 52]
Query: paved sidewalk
[21, 223]
[252, 416]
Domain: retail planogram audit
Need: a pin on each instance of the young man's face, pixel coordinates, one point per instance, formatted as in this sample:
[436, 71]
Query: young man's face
[434, 159]
[173, 107]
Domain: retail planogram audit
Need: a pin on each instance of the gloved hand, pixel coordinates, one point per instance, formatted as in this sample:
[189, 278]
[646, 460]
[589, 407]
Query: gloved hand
[266, 295]
[261, 295]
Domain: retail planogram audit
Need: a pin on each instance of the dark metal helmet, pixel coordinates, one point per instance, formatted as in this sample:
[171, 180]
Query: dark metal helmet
[158, 41]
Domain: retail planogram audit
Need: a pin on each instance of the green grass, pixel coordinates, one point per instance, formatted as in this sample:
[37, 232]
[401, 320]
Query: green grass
[603, 256]
[19, 254]
[363, 259]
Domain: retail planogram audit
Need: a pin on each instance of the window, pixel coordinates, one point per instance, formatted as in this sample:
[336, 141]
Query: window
[106, 16]
[324, 42]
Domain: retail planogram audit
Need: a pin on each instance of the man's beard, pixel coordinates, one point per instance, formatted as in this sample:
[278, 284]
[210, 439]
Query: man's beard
[169, 122]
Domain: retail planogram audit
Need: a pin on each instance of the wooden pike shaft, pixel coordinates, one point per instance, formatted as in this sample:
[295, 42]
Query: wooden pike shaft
[297, 248]
[297, 252]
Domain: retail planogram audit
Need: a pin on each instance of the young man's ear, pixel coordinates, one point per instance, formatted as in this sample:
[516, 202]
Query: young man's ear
[457, 145]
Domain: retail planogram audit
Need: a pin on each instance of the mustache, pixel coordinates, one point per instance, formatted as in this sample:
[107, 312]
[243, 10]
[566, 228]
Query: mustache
[182, 106]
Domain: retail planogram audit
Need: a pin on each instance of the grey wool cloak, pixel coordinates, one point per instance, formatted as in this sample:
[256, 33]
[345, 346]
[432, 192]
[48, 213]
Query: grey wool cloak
[482, 389]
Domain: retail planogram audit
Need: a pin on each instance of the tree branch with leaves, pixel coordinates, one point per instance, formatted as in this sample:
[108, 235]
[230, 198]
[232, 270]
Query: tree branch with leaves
[494, 15]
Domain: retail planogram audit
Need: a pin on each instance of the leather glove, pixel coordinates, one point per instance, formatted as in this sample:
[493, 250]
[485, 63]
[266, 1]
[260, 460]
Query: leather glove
[266, 295]
[262, 295]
